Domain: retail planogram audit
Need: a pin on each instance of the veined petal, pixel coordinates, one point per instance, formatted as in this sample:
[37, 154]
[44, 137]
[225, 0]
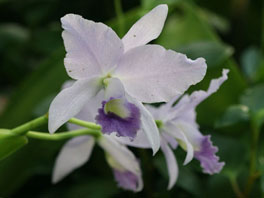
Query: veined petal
[123, 157]
[151, 73]
[148, 125]
[70, 101]
[176, 132]
[171, 163]
[147, 28]
[74, 154]
[92, 48]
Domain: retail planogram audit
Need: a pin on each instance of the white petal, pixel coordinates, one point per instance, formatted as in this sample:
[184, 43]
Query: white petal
[170, 140]
[171, 163]
[70, 101]
[67, 84]
[155, 111]
[114, 88]
[122, 155]
[147, 28]
[192, 133]
[89, 111]
[74, 154]
[92, 48]
[176, 132]
[140, 141]
[198, 96]
[152, 74]
[148, 125]
[189, 103]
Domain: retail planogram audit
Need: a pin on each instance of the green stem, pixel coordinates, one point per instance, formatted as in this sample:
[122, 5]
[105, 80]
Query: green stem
[24, 128]
[236, 188]
[82, 123]
[63, 135]
[253, 155]
[120, 17]
[262, 30]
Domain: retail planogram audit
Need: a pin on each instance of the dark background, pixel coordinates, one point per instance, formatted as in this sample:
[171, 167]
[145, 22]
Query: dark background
[227, 33]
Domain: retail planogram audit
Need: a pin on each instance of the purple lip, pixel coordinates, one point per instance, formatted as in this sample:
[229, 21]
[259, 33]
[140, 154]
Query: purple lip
[125, 126]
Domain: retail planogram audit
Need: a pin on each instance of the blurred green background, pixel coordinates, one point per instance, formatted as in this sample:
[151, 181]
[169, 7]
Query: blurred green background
[227, 33]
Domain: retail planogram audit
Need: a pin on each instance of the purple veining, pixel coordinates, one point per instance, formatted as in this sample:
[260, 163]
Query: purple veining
[111, 122]
[209, 161]
[126, 179]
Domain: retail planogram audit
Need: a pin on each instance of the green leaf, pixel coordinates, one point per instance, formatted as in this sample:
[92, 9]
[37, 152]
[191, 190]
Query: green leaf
[215, 53]
[13, 32]
[215, 20]
[232, 151]
[252, 63]
[259, 118]
[149, 4]
[38, 87]
[253, 99]
[9, 143]
[234, 114]
[42, 84]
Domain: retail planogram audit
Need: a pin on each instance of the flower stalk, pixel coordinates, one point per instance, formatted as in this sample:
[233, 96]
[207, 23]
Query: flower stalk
[89, 125]
[24, 128]
[63, 135]
[253, 155]
[120, 17]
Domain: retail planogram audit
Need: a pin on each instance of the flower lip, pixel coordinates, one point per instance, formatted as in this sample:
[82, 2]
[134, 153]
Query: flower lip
[209, 161]
[119, 115]
[117, 108]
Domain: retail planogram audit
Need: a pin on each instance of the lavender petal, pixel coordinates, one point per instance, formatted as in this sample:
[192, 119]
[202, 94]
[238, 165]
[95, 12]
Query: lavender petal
[209, 161]
[126, 179]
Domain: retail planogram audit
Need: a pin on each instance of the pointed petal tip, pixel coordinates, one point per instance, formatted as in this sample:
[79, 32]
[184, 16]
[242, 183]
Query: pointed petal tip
[187, 161]
[225, 72]
[155, 149]
[170, 186]
[54, 180]
[51, 128]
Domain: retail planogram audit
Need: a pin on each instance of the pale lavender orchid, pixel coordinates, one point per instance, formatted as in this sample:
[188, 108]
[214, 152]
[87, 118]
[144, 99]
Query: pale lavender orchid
[127, 71]
[77, 151]
[177, 126]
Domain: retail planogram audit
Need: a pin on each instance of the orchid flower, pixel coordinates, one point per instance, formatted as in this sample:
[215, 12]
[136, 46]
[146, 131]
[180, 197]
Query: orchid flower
[77, 152]
[128, 71]
[177, 126]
